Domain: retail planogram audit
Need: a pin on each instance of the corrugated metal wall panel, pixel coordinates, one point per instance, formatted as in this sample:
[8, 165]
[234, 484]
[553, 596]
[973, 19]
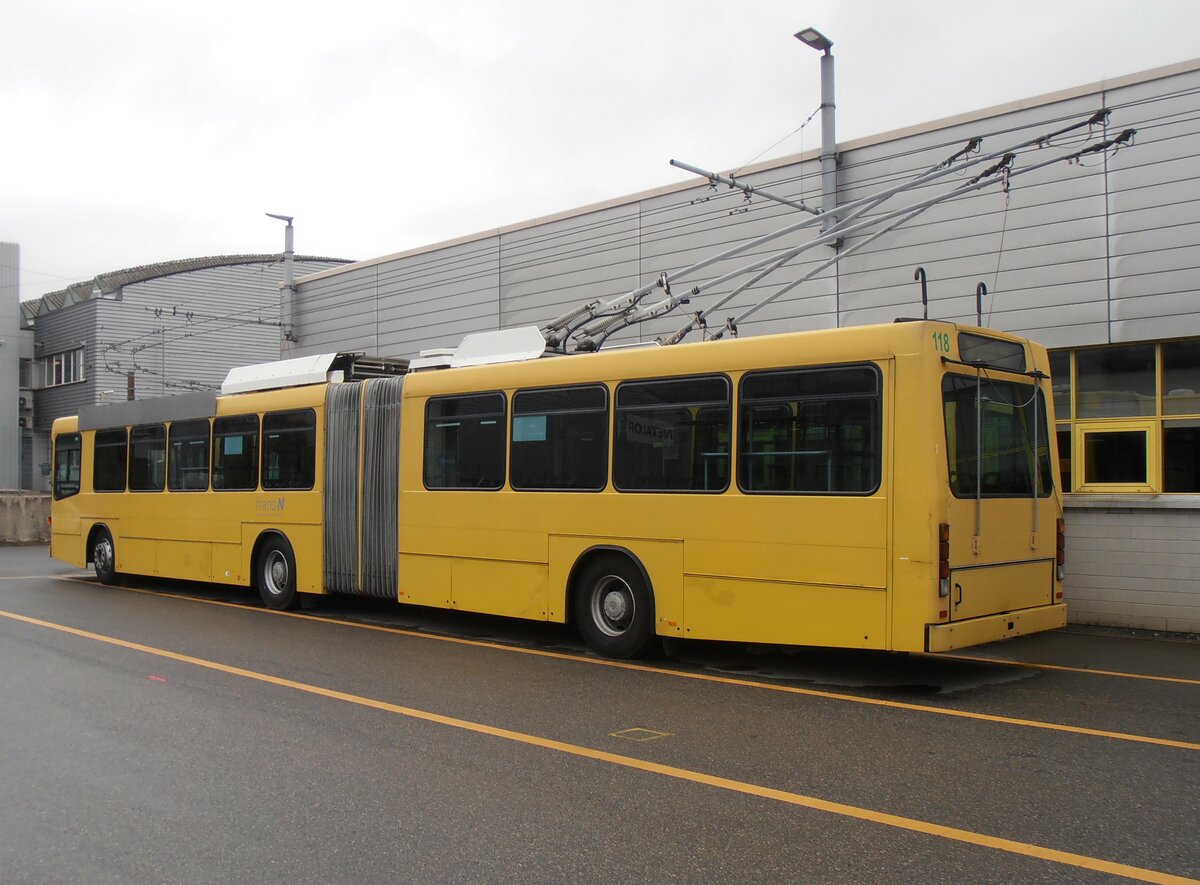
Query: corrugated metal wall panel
[1052, 252]
[1154, 201]
[62, 330]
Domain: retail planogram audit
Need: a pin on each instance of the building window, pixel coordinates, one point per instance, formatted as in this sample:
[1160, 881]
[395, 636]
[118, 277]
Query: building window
[1128, 417]
[62, 368]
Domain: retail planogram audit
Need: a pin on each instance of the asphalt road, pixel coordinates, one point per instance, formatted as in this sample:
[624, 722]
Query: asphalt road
[167, 732]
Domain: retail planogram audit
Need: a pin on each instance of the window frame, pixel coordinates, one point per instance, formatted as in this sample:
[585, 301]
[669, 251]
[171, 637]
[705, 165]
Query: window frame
[606, 448]
[129, 471]
[263, 448]
[171, 469]
[502, 423]
[877, 396]
[1082, 430]
[124, 460]
[212, 455]
[700, 405]
[65, 444]
[1165, 412]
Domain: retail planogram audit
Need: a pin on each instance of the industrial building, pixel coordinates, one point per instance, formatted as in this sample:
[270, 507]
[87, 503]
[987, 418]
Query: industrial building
[1094, 254]
[133, 334]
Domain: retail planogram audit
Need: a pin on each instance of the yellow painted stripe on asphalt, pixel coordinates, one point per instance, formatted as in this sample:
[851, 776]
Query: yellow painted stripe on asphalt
[1032, 665]
[1025, 849]
[703, 677]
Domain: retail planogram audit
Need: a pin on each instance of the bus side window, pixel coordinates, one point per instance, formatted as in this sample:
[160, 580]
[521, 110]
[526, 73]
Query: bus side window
[235, 453]
[289, 449]
[464, 442]
[148, 458]
[110, 460]
[811, 431]
[673, 435]
[68, 451]
[187, 461]
[560, 439]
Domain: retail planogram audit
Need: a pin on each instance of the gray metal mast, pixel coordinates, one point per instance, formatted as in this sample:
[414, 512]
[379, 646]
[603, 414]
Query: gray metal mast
[814, 38]
[288, 293]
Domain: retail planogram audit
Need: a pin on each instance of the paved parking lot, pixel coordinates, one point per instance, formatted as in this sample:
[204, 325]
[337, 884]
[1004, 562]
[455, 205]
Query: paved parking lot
[181, 733]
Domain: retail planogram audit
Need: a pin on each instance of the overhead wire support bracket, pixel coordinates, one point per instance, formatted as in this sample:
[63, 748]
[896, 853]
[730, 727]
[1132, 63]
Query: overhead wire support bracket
[747, 189]
[600, 319]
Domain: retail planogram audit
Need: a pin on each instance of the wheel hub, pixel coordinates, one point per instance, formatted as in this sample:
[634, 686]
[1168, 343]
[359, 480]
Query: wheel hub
[616, 606]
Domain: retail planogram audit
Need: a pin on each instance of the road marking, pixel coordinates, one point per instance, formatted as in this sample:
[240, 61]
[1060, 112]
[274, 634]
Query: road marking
[637, 733]
[1035, 666]
[684, 674]
[969, 837]
[39, 577]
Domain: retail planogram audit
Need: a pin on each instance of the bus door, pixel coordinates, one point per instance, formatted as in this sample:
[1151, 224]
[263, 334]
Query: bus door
[1003, 515]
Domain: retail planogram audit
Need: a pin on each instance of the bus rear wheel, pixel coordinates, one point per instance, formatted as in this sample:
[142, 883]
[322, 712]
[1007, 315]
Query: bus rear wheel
[104, 557]
[277, 574]
[614, 609]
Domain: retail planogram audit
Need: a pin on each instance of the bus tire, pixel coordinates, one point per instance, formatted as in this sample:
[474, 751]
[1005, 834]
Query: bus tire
[104, 556]
[276, 574]
[614, 609]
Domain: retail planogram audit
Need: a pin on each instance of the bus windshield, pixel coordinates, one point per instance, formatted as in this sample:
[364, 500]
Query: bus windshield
[990, 440]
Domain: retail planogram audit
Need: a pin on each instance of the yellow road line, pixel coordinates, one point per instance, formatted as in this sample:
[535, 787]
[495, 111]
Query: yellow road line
[684, 674]
[1025, 849]
[36, 577]
[1088, 670]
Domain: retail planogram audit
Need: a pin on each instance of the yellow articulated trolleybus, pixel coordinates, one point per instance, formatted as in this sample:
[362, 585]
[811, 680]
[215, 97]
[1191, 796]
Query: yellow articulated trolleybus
[883, 487]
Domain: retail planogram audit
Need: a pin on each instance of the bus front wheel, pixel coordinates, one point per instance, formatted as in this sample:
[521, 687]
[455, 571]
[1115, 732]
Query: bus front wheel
[104, 557]
[614, 609]
[277, 574]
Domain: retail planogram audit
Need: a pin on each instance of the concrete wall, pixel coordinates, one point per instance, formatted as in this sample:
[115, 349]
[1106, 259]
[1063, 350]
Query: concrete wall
[1133, 563]
[23, 518]
[10, 350]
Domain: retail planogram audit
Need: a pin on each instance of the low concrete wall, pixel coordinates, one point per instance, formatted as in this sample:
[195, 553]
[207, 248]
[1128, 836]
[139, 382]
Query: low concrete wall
[23, 518]
[1134, 561]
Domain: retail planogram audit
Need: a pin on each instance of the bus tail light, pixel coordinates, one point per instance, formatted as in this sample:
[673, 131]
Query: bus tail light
[1060, 549]
[944, 559]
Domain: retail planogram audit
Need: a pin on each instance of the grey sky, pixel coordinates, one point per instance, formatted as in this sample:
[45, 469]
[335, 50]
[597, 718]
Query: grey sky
[140, 131]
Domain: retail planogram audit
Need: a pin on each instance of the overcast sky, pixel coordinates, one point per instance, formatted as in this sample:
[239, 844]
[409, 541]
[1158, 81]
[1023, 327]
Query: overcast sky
[136, 132]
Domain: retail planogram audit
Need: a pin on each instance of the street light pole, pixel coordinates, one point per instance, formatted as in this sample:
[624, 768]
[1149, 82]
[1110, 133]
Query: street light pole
[815, 39]
[287, 307]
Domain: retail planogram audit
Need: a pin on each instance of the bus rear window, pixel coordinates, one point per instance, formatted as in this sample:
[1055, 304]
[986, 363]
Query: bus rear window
[991, 351]
[990, 438]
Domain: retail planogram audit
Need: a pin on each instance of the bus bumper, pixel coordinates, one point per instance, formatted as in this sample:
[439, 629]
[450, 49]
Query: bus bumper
[976, 631]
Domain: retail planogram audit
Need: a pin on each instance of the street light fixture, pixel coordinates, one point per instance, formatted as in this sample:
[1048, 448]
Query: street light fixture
[814, 38]
[818, 41]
